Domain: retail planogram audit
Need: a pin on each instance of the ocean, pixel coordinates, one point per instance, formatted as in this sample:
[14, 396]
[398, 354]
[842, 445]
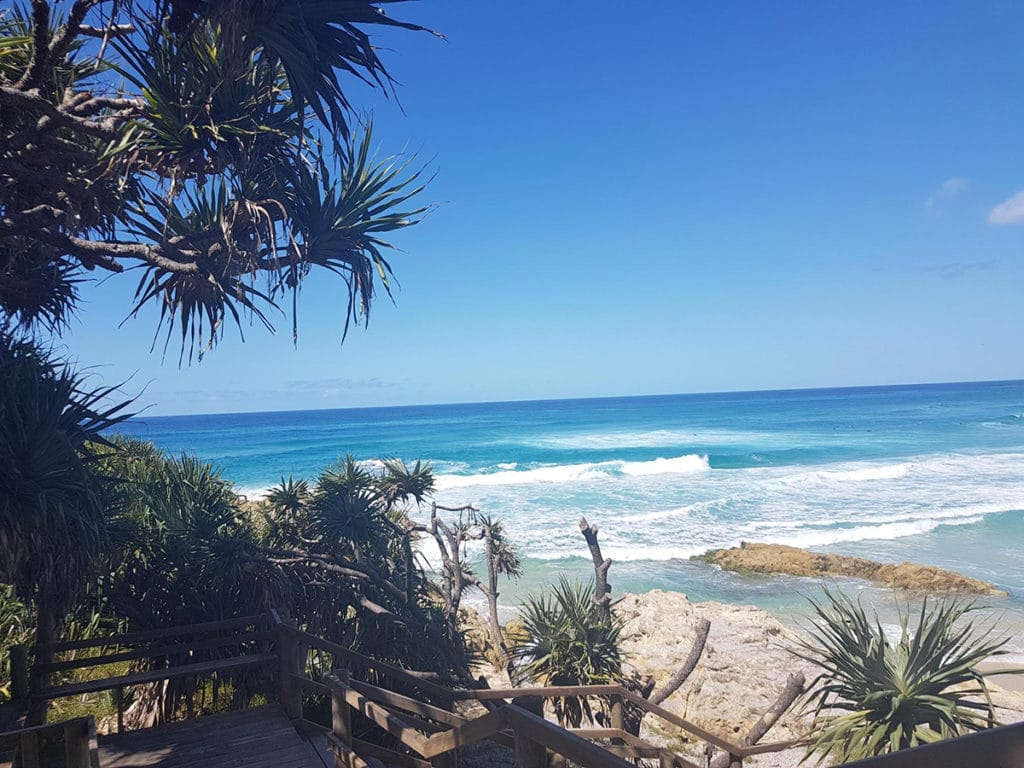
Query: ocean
[929, 473]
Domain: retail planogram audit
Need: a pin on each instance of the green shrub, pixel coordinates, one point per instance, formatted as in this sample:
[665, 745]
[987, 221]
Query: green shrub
[570, 641]
[875, 695]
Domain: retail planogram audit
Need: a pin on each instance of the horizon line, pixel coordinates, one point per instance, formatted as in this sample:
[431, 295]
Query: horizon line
[583, 398]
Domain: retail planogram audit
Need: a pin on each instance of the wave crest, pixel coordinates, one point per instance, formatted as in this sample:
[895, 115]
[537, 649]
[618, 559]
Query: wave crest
[564, 473]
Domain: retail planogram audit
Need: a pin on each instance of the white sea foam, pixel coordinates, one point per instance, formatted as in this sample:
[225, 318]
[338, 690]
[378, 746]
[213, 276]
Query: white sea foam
[882, 472]
[655, 438]
[680, 465]
[856, 474]
[566, 473]
[252, 492]
[884, 531]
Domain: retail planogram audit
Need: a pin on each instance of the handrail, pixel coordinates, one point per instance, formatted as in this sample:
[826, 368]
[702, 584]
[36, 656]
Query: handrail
[153, 652]
[152, 676]
[606, 691]
[367, 663]
[1001, 746]
[132, 638]
[524, 724]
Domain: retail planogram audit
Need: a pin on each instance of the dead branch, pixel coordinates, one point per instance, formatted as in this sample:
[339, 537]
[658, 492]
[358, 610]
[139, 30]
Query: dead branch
[673, 683]
[602, 589]
[793, 688]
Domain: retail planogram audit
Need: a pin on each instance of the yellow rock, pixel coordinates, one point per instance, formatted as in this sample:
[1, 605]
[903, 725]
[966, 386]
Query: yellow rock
[911, 577]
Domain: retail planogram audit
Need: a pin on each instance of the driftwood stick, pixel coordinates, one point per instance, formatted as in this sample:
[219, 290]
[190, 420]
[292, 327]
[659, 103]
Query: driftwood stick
[673, 683]
[602, 589]
[794, 685]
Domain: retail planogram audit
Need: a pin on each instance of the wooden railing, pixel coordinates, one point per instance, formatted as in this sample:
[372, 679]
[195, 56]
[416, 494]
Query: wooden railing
[30, 744]
[430, 732]
[414, 707]
[992, 748]
[233, 640]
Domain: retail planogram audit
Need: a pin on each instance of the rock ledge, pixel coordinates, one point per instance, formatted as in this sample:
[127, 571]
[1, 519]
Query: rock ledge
[911, 577]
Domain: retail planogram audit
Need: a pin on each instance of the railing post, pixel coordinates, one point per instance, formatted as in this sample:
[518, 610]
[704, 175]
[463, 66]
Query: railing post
[341, 716]
[289, 692]
[76, 743]
[618, 722]
[119, 704]
[30, 750]
[19, 674]
[528, 753]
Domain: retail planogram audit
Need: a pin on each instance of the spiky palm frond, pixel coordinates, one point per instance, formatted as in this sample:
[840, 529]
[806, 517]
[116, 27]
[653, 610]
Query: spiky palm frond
[54, 508]
[570, 642]
[37, 290]
[399, 482]
[919, 689]
[17, 44]
[204, 111]
[315, 42]
[505, 554]
[339, 220]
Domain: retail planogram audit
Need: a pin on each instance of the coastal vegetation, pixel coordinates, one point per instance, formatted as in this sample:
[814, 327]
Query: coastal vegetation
[877, 695]
[214, 146]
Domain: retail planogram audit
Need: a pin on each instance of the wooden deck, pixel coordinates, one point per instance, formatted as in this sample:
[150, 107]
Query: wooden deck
[251, 738]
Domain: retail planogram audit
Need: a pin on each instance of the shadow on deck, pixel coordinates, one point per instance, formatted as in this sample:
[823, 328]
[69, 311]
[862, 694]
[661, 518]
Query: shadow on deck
[254, 738]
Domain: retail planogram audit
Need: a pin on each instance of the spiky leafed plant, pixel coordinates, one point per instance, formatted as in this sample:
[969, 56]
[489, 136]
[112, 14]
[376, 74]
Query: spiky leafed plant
[209, 142]
[55, 512]
[570, 642]
[875, 695]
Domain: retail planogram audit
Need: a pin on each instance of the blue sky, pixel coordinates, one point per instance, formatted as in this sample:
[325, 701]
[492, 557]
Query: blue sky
[669, 196]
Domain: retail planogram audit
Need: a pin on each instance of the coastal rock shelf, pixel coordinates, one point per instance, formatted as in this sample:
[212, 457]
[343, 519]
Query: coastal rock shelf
[744, 666]
[911, 577]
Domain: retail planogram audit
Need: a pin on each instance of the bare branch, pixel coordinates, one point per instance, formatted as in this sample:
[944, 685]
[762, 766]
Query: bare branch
[114, 30]
[673, 683]
[70, 30]
[41, 47]
[602, 589]
[794, 685]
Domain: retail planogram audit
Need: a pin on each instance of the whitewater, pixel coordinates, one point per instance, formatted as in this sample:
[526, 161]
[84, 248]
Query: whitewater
[929, 473]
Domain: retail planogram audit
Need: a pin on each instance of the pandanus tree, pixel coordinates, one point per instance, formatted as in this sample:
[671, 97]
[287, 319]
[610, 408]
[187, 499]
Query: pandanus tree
[208, 143]
[56, 512]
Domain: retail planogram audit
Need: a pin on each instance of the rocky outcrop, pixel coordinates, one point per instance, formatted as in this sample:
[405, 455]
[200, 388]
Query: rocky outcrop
[743, 669]
[910, 577]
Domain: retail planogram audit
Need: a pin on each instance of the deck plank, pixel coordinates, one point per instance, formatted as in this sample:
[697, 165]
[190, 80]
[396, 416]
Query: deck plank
[253, 738]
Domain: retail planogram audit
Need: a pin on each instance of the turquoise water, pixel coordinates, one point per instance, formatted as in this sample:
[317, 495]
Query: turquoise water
[931, 473]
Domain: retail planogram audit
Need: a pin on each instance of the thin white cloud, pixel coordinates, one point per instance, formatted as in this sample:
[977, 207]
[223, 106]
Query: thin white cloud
[951, 187]
[1010, 211]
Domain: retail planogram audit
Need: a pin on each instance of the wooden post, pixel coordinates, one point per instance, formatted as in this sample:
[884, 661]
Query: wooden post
[19, 674]
[119, 703]
[341, 717]
[735, 761]
[618, 720]
[76, 744]
[30, 750]
[528, 753]
[289, 693]
[448, 759]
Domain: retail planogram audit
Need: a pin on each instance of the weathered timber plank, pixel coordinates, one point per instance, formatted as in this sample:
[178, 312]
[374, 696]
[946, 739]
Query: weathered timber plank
[186, 670]
[130, 638]
[255, 738]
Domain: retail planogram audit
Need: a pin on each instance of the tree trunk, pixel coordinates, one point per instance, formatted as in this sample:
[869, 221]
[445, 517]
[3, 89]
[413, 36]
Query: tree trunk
[602, 589]
[47, 633]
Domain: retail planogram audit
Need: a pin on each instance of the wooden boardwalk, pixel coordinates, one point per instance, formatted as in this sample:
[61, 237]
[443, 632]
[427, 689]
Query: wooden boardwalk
[250, 738]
